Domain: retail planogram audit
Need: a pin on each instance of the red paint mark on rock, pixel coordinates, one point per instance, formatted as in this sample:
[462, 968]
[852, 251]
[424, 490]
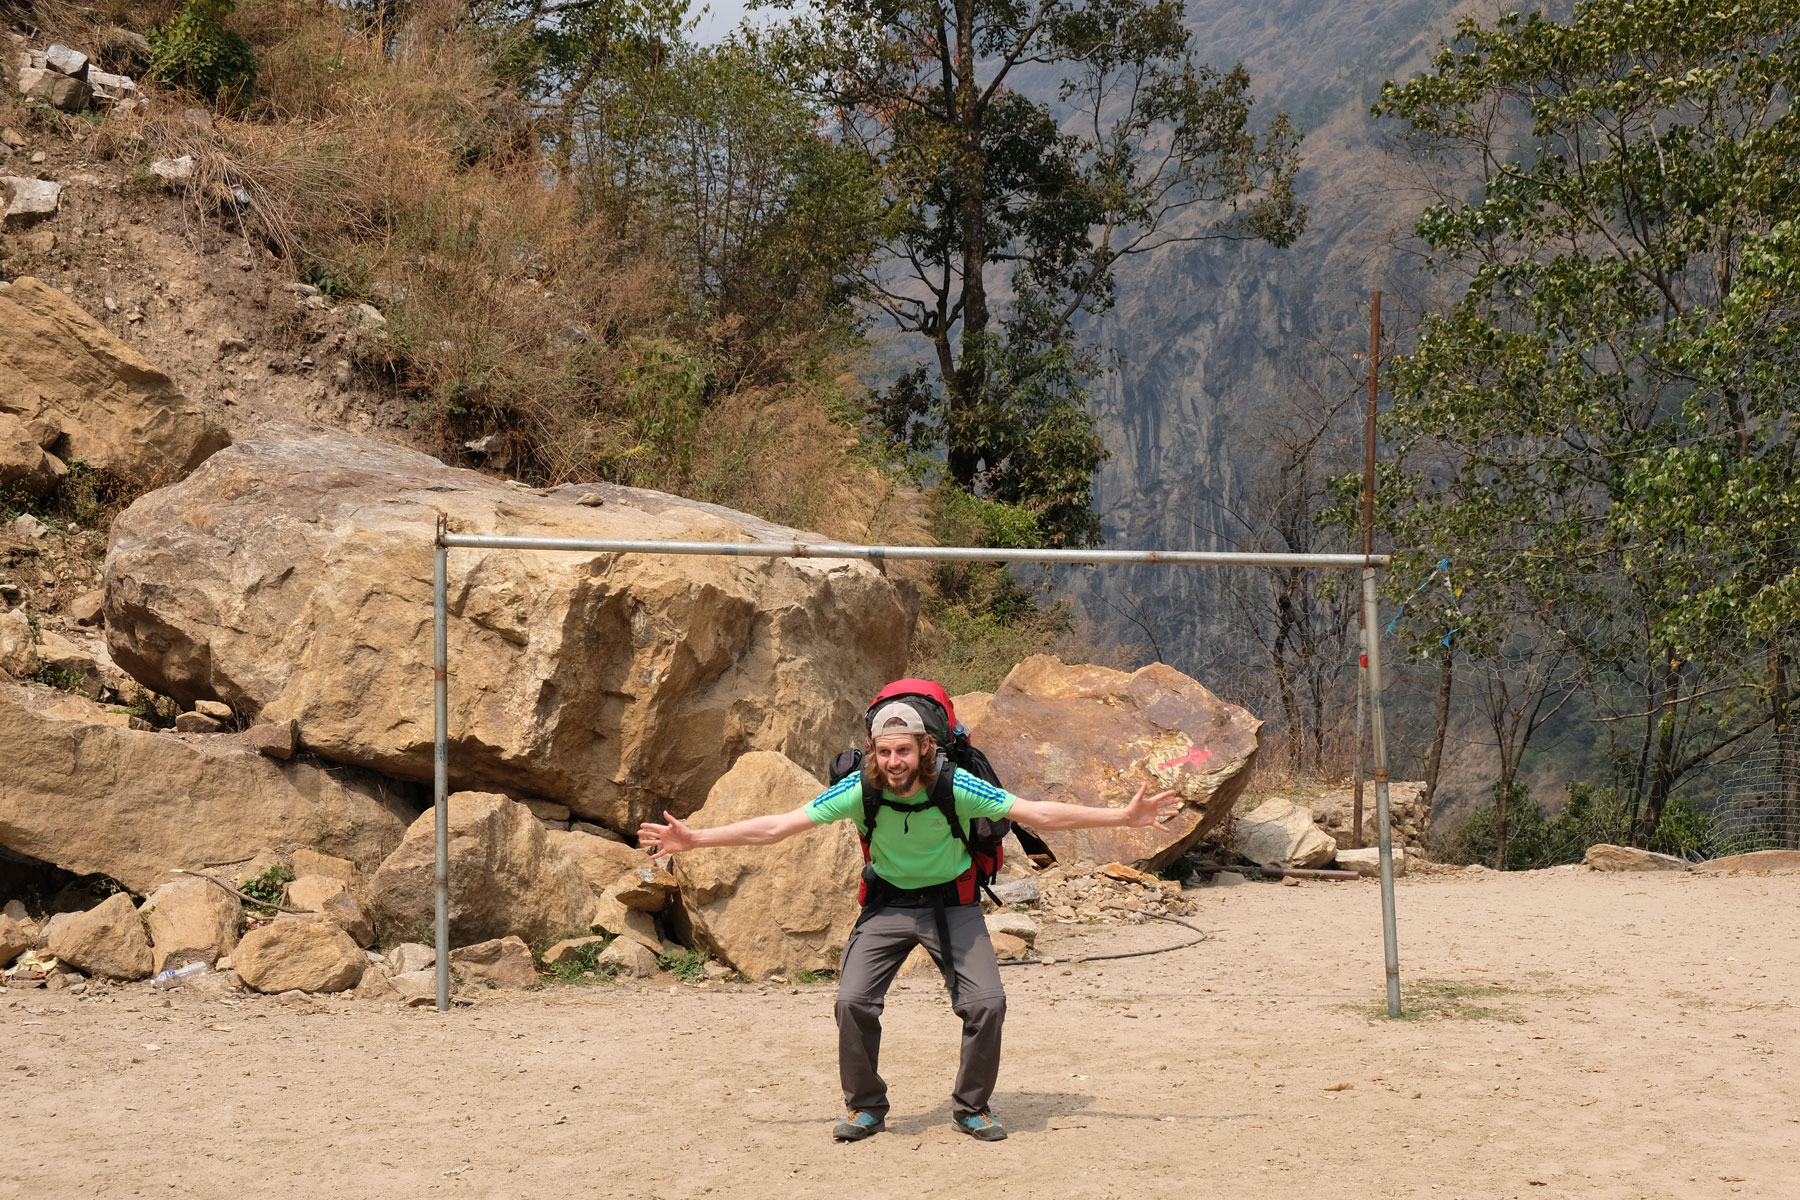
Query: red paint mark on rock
[1195, 757]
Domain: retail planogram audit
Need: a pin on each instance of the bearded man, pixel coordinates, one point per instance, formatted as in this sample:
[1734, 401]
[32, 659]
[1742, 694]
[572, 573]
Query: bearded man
[913, 899]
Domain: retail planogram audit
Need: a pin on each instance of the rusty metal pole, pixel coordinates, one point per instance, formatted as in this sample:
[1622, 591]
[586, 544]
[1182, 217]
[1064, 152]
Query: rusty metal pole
[440, 759]
[1368, 531]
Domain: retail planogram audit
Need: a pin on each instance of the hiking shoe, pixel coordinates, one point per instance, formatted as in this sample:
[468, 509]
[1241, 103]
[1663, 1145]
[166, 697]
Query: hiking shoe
[858, 1126]
[982, 1127]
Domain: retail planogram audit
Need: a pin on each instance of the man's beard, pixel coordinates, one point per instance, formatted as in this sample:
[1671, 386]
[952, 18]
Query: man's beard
[904, 787]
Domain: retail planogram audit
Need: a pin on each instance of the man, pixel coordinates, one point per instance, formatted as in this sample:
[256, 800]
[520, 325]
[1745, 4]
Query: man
[913, 900]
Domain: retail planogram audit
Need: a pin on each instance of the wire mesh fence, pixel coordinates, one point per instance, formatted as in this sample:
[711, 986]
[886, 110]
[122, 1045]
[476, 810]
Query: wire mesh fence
[1758, 807]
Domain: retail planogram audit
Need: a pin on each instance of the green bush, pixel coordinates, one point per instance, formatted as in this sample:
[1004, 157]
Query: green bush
[267, 888]
[197, 52]
[1593, 815]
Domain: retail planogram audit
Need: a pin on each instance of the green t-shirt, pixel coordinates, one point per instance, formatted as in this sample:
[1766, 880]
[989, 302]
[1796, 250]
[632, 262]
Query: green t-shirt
[913, 850]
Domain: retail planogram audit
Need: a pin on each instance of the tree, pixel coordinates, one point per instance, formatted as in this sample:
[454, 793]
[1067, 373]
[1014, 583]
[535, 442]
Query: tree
[1601, 427]
[1005, 216]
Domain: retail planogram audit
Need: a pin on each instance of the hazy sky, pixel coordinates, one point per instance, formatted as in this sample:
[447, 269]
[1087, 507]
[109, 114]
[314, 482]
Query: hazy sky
[719, 19]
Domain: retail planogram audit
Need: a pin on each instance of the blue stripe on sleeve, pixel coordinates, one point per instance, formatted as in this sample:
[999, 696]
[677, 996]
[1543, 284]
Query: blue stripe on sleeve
[832, 803]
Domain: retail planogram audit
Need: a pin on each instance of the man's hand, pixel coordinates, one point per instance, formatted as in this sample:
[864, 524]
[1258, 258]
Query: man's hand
[1151, 810]
[666, 838]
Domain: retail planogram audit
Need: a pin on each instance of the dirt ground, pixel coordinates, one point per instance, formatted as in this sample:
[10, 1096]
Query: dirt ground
[1573, 1035]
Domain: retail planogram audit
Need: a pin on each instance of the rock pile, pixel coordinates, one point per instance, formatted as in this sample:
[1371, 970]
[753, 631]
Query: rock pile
[1114, 893]
[1409, 815]
[66, 79]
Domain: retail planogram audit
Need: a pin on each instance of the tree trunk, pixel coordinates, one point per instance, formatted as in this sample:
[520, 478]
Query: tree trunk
[1787, 746]
[1440, 726]
[970, 380]
[1662, 767]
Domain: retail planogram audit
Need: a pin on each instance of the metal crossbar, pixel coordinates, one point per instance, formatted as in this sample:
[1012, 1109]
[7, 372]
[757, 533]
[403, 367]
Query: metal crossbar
[446, 541]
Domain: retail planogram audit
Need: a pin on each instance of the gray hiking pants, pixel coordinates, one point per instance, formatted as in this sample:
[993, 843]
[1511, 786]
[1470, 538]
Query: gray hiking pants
[873, 957]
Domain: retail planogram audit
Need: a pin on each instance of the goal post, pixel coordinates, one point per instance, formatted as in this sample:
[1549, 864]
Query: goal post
[445, 541]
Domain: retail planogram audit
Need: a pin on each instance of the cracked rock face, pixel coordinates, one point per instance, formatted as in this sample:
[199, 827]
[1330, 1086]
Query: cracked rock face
[1091, 735]
[291, 576]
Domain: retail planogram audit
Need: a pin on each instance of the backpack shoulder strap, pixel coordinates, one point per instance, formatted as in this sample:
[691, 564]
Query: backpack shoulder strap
[943, 794]
[871, 797]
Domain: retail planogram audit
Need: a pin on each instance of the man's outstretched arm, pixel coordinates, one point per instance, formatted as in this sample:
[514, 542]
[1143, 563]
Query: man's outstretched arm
[757, 831]
[1051, 814]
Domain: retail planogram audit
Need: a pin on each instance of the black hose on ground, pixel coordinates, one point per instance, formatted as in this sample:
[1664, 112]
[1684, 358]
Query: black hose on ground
[1085, 958]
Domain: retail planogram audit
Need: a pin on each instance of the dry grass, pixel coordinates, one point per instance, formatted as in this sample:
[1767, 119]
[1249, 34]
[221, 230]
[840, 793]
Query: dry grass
[387, 166]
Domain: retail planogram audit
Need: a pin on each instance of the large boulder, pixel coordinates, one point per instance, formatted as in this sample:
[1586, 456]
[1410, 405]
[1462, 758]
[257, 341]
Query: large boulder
[769, 909]
[1774, 862]
[505, 878]
[97, 798]
[1281, 834]
[107, 940]
[307, 956]
[1607, 857]
[291, 578]
[101, 401]
[1090, 735]
[191, 920]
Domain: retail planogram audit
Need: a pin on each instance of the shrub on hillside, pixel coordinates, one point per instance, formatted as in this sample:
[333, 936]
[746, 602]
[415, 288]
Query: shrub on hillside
[195, 51]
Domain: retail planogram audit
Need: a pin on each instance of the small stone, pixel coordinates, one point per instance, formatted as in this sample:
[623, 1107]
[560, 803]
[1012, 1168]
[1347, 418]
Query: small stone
[274, 739]
[717, 970]
[28, 201]
[629, 957]
[112, 89]
[86, 608]
[214, 709]
[106, 940]
[37, 160]
[1367, 861]
[569, 949]
[1228, 879]
[12, 138]
[196, 722]
[16, 937]
[647, 888]
[593, 830]
[416, 988]
[503, 962]
[1017, 891]
[66, 60]
[1011, 924]
[1008, 948]
[547, 810]
[410, 957]
[54, 88]
[1290, 881]
[173, 171]
[18, 646]
[311, 862]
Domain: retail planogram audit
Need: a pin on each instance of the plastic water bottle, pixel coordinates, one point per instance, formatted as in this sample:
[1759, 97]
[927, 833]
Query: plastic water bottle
[174, 977]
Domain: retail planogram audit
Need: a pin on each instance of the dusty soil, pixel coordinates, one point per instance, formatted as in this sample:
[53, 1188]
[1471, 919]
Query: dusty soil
[1573, 1035]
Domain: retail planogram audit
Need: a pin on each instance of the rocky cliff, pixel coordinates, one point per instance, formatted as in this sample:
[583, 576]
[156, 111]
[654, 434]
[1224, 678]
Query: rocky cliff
[1208, 334]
